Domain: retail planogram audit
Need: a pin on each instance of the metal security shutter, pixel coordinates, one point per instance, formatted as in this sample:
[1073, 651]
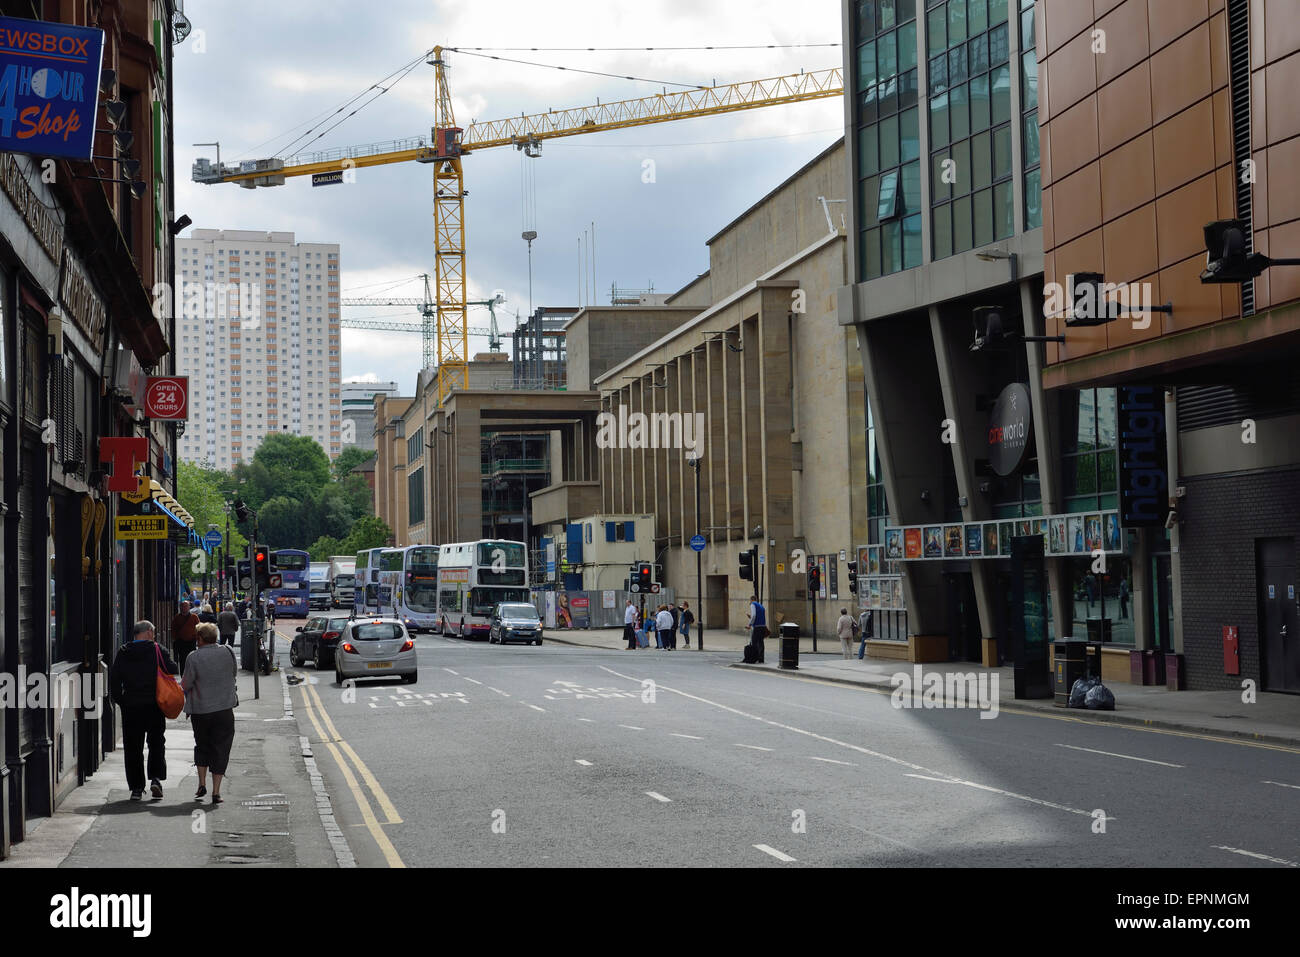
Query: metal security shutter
[30, 595]
[1273, 395]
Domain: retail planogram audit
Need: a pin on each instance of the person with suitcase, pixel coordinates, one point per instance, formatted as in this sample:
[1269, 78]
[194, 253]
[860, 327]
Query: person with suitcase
[757, 631]
[629, 625]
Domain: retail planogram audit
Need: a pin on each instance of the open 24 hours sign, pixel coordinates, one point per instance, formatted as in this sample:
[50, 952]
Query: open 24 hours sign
[49, 87]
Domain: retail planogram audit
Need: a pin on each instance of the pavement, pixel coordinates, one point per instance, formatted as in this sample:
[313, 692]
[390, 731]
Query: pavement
[1270, 718]
[272, 815]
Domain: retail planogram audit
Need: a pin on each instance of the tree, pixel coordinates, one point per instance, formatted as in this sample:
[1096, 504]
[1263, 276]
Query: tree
[369, 531]
[325, 546]
[296, 465]
[280, 523]
[199, 492]
[349, 459]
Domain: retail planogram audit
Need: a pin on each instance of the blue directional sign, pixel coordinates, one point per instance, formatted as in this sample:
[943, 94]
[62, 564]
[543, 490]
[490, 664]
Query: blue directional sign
[697, 543]
[49, 87]
[212, 539]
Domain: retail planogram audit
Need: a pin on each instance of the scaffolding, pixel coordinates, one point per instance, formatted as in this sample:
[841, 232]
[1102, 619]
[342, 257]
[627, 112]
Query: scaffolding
[540, 356]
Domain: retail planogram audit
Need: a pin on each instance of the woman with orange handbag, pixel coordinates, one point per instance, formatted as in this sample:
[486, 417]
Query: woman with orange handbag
[134, 687]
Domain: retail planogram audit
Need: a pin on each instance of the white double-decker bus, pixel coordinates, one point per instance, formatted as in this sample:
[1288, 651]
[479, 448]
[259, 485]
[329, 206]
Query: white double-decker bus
[408, 585]
[472, 578]
[365, 594]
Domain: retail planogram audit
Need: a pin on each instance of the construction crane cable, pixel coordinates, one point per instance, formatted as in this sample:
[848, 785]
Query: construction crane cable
[574, 69]
[404, 70]
[382, 91]
[751, 46]
[386, 283]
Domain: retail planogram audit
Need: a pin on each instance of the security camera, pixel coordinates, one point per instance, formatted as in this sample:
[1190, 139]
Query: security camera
[1171, 519]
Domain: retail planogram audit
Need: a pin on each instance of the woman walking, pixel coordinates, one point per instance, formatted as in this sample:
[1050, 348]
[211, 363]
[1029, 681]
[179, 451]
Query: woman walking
[688, 618]
[845, 628]
[210, 700]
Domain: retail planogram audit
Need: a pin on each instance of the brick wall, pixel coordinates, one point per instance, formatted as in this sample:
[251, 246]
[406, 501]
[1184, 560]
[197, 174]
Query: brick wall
[1225, 514]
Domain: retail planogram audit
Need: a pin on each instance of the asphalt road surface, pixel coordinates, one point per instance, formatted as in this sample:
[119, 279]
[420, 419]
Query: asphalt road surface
[516, 756]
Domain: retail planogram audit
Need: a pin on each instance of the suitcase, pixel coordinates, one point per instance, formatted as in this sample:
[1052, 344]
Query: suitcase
[642, 640]
[751, 655]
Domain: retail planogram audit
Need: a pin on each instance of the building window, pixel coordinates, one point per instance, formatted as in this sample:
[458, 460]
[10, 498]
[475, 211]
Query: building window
[887, 119]
[1029, 117]
[1089, 466]
[970, 124]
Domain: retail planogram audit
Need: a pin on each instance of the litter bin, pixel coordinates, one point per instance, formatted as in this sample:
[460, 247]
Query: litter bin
[790, 645]
[248, 644]
[1094, 659]
[1099, 629]
[1070, 659]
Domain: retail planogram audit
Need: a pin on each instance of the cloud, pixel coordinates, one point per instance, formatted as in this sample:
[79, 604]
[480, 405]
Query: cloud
[258, 90]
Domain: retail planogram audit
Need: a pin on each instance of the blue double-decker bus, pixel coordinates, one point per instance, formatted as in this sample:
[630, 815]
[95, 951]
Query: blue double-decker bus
[294, 594]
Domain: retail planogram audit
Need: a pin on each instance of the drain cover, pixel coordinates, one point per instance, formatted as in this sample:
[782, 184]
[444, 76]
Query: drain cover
[263, 803]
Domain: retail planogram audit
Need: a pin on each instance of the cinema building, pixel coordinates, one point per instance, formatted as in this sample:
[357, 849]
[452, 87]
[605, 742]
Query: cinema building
[1004, 156]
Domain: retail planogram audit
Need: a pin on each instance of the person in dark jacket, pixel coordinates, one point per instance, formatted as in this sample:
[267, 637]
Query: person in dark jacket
[228, 624]
[183, 637]
[133, 688]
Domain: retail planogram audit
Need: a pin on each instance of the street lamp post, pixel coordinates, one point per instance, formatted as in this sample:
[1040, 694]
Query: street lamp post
[694, 461]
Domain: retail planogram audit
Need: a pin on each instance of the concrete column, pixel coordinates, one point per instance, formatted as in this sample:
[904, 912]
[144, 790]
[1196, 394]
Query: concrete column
[897, 360]
[732, 404]
[776, 419]
[959, 382]
[468, 478]
[1047, 446]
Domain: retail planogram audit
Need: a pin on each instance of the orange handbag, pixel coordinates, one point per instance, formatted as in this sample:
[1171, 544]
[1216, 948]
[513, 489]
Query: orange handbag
[170, 697]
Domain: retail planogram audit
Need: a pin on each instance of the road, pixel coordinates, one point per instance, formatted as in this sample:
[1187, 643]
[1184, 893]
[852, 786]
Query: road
[522, 756]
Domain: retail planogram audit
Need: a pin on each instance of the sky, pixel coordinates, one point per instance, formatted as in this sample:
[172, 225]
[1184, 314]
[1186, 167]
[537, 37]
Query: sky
[255, 76]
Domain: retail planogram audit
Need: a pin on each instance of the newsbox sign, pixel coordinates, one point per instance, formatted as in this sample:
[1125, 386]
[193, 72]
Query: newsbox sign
[165, 397]
[49, 87]
[1143, 479]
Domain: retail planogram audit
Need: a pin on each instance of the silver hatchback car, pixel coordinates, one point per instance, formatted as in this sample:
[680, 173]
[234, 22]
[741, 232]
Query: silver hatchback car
[375, 648]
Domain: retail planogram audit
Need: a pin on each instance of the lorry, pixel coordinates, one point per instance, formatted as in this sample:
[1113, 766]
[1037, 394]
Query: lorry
[319, 582]
[342, 577]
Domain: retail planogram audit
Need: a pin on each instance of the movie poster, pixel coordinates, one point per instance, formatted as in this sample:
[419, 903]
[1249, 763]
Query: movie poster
[897, 588]
[933, 541]
[952, 541]
[886, 594]
[974, 541]
[893, 544]
[1006, 532]
[1074, 534]
[911, 543]
[1112, 532]
[873, 559]
[1092, 532]
[991, 540]
[1056, 545]
[873, 588]
[1024, 529]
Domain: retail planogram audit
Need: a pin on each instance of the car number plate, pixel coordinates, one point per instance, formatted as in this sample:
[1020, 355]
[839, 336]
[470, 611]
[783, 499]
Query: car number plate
[380, 664]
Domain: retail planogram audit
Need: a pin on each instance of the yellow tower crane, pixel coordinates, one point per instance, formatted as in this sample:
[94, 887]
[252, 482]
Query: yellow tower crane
[449, 143]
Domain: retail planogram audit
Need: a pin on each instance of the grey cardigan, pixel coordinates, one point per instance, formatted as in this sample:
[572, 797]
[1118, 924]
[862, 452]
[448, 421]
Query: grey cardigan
[209, 680]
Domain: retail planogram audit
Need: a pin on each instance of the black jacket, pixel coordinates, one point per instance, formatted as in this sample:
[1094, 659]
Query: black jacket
[132, 679]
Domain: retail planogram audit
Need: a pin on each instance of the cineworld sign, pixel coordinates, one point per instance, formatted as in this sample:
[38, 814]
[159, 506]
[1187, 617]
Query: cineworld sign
[1143, 479]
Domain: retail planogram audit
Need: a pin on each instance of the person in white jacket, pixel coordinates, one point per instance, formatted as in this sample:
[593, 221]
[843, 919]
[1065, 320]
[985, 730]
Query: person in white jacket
[664, 625]
[844, 628]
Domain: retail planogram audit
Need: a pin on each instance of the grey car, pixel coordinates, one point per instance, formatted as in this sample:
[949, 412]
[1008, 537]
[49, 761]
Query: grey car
[375, 648]
[515, 621]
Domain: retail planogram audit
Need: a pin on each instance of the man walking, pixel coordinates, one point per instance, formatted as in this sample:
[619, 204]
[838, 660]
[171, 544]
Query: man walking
[228, 624]
[844, 628]
[864, 628]
[629, 625]
[757, 629]
[183, 634]
[133, 687]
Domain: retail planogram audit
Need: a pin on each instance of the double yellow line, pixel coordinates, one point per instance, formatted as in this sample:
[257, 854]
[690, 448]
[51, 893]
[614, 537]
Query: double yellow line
[330, 737]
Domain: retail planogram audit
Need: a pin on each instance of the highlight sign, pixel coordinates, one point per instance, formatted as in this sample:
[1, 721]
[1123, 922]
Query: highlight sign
[49, 87]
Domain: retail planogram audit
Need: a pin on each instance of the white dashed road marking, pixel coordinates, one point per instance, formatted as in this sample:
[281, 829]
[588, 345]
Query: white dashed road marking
[658, 797]
[693, 737]
[774, 852]
[470, 679]
[499, 691]
[1281, 785]
[1112, 754]
[832, 761]
[753, 747]
[583, 762]
[631, 727]
[1261, 857]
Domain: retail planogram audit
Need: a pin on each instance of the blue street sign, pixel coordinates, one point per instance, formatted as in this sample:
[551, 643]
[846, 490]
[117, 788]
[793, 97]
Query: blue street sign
[212, 539]
[49, 87]
[697, 543]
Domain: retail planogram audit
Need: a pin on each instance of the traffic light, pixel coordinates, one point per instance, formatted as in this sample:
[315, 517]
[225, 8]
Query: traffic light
[853, 577]
[644, 576]
[261, 565]
[814, 580]
[747, 565]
